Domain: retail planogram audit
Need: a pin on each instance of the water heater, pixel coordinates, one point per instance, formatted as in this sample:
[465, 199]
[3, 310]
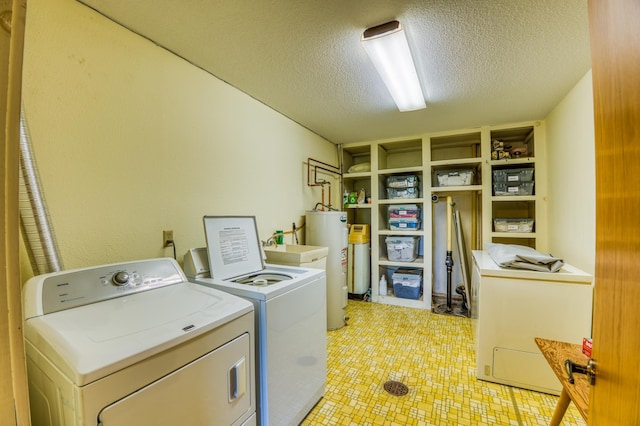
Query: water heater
[329, 229]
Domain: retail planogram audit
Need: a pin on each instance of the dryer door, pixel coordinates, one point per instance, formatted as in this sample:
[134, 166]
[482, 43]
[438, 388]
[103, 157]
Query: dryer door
[214, 389]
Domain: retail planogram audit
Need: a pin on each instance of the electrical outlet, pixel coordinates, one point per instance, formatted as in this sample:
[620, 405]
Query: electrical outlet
[166, 237]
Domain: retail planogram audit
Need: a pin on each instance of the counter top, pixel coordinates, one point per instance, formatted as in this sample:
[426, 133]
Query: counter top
[567, 274]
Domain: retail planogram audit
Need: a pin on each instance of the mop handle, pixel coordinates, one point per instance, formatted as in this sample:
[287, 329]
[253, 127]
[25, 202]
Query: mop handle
[449, 223]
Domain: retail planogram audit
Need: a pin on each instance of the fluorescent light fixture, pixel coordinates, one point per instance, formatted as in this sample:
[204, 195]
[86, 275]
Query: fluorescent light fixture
[388, 49]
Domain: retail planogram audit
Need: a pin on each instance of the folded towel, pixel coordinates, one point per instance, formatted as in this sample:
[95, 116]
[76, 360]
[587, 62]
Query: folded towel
[523, 257]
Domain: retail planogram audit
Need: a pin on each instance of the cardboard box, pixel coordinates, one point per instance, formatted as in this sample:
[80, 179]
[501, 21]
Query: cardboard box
[586, 346]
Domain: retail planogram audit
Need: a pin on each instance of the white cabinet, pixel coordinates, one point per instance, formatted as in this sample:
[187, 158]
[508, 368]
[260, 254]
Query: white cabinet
[512, 307]
[368, 166]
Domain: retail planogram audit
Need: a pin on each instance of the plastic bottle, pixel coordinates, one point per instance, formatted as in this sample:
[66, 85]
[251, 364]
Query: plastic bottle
[345, 198]
[383, 286]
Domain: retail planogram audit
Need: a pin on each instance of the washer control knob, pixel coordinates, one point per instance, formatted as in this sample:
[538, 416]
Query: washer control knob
[120, 278]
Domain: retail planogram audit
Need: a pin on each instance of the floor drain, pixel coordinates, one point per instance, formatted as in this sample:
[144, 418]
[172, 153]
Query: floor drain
[396, 388]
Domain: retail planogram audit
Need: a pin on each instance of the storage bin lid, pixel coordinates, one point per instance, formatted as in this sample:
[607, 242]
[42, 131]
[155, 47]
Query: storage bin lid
[404, 272]
[403, 207]
[404, 239]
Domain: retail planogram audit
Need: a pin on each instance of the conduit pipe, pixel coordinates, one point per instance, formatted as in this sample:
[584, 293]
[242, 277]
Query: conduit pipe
[34, 219]
[333, 170]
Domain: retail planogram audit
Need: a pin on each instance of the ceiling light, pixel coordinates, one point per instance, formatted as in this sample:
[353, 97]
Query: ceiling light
[388, 49]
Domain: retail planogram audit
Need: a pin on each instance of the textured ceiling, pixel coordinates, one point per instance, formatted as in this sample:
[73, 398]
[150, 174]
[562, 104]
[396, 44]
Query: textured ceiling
[481, 62]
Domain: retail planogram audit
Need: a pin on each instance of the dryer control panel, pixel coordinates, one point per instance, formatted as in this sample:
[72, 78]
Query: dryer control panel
[58, 291]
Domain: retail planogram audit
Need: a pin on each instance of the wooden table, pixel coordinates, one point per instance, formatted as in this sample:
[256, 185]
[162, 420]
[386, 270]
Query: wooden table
[556, 353]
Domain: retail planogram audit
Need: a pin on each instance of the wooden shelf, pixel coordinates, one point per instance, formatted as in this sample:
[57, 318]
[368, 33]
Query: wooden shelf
[513, 234]
[358, 206]
[457, 188]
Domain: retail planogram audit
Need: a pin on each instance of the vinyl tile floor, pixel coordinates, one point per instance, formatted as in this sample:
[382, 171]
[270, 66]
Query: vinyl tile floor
[434, 356]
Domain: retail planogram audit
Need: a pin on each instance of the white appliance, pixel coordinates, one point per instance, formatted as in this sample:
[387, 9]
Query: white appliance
[358, 260]
[329, 229]
[358, 268]
[512, 307]
[290, 306]
[136, 344]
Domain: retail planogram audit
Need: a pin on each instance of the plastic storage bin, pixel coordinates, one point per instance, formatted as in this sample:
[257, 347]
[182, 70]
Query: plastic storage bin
[397, 193]
[402, 249]
[405, 211]
[403, 181]
[407, 283]
[404, 224]
[513, 225]
[513, 188]
[513, 175]
[454, 178]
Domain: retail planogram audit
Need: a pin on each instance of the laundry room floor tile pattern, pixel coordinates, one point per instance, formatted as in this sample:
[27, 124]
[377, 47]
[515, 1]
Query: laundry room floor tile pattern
[434, 356]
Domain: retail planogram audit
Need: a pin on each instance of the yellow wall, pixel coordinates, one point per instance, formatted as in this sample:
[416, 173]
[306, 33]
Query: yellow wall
[130, 140]
[571, 177]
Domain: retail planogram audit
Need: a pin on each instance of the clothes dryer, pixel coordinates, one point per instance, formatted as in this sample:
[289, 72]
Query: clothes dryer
[136, 343]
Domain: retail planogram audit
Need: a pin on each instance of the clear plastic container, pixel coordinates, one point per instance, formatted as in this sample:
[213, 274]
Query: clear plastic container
[404, 224]
[513, 225]
[513, 175]
[405, 211]
[403, 181]
[402, 249]
[513, 188]
[407, 283]
[395, 193]
[455, 177]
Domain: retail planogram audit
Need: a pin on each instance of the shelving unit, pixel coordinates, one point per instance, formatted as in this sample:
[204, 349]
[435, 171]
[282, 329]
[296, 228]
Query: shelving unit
[530, 138]
[460, 153]
[427, 157]
[358, 157]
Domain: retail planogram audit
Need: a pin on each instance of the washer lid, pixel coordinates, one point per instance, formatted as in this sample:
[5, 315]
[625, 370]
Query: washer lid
[92, 341]
[233, 246]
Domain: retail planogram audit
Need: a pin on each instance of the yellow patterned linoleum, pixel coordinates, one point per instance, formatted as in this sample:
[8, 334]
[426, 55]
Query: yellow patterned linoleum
[434, 356]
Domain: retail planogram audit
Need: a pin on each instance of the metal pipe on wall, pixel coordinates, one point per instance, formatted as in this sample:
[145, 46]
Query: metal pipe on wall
[328, 169]
[35, 224]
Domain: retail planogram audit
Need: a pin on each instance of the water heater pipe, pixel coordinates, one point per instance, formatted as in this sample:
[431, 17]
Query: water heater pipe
[333, 170]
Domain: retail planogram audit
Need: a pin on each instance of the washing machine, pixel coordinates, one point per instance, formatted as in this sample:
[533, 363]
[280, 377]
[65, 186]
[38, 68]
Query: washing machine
[291, 316]
[135, 343]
